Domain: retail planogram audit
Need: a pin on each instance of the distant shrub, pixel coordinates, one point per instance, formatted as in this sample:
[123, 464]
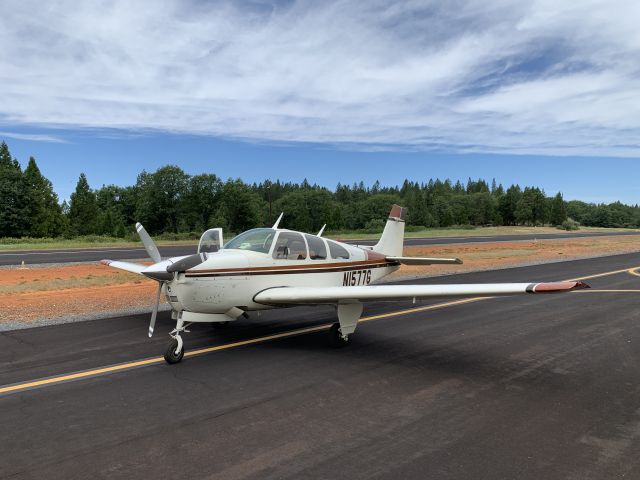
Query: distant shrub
[375, 225]
[569, 224]
[48, 240]
[178, 236]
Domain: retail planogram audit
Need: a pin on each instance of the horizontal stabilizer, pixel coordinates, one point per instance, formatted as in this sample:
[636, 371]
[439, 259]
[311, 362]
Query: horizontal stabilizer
[128, 266]
[333, 295]
[425, 260]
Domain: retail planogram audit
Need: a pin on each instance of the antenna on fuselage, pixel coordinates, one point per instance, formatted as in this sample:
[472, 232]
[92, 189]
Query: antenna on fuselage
[321, 230]
[275, 225]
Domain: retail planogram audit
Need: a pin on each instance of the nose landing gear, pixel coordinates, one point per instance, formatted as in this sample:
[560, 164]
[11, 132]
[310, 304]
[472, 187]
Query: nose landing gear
[175, 350]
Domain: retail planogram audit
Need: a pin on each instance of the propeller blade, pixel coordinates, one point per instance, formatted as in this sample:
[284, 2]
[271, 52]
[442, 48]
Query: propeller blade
[186, 263]
[154, 313]
[151, 248]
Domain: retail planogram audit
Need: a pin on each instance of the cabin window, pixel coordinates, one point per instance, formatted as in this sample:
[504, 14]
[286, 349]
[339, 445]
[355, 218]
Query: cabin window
[337, 251]
[256, 240]
[290, 246]
[317, 249]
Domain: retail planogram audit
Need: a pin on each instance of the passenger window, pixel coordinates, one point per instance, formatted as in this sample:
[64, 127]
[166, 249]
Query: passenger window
[290, 246]
[337, 251]
[317, 250]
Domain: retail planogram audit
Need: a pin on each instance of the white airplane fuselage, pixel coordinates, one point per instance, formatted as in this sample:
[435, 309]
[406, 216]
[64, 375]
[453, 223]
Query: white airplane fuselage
[208, 288]
[232, 278]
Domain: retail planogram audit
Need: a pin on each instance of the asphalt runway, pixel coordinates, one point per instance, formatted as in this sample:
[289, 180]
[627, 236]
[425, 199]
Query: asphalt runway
[31, 257]
[525, 387]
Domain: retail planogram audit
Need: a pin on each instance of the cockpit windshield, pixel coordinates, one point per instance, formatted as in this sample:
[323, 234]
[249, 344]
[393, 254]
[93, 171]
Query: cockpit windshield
[256, 240]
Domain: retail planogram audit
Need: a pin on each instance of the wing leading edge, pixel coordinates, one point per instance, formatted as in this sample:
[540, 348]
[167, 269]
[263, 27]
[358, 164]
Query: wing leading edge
[331, 295]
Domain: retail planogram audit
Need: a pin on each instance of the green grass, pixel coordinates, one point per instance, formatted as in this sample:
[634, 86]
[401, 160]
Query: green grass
[476, 232]
[63, 243]
[97, 241]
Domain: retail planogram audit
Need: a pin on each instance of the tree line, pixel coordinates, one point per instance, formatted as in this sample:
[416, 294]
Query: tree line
[171, 201]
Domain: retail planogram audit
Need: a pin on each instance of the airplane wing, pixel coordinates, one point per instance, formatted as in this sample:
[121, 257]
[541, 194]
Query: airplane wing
[128, 266]
[333, 295]
[425, 260]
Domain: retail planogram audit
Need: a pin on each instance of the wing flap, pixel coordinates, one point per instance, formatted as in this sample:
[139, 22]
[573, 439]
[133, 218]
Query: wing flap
[426, 260]
[128, 266]
[332, 295]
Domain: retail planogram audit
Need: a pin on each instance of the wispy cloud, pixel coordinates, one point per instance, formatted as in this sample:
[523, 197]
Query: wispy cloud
[542, 77]
[32, 137]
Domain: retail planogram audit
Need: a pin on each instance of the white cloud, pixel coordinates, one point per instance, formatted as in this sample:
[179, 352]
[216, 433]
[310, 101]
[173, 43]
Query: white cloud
[542, 77]
[32, 137]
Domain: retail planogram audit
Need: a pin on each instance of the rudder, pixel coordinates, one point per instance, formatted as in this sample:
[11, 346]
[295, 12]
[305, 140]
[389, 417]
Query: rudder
[392, 240]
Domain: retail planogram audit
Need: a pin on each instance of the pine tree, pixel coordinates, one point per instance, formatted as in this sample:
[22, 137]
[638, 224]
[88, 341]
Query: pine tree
[14, 219]
[558, 210]
[45, 214]
[525, 209]
[508, 203]
[83, 210]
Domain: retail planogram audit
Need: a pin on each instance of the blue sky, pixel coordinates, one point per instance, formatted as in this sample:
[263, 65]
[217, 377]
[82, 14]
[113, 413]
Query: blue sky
[542, 92]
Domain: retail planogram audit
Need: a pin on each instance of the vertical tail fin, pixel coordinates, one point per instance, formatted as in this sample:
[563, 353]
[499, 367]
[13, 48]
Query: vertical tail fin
[392, 239]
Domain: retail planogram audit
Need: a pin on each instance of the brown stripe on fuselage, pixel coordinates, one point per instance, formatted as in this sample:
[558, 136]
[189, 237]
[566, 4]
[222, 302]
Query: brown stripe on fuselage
[292, 269]
[299, 266]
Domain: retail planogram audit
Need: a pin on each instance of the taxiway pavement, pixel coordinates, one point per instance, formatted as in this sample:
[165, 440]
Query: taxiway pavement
[30, 257]
[525, 387]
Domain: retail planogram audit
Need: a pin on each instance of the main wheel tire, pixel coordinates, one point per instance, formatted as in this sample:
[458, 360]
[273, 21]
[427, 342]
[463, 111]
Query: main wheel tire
[170, 355]
[336, 340]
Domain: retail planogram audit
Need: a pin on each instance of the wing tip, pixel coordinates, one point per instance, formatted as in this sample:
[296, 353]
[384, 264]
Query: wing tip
[558, 287]
[580, 285]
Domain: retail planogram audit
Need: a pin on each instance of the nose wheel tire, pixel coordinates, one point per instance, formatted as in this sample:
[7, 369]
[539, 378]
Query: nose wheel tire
[170, 355]
[336, 339]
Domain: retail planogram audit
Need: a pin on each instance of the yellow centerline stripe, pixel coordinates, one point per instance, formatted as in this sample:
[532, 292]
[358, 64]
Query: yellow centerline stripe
[252, 341]
[227, 346]
[77, 375]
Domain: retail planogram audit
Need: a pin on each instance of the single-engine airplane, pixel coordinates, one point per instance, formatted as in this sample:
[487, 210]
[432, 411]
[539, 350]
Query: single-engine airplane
[266, 268]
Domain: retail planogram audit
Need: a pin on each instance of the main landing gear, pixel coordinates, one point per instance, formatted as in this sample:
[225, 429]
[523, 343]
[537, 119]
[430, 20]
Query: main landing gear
[348, 316]
[336, 338]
